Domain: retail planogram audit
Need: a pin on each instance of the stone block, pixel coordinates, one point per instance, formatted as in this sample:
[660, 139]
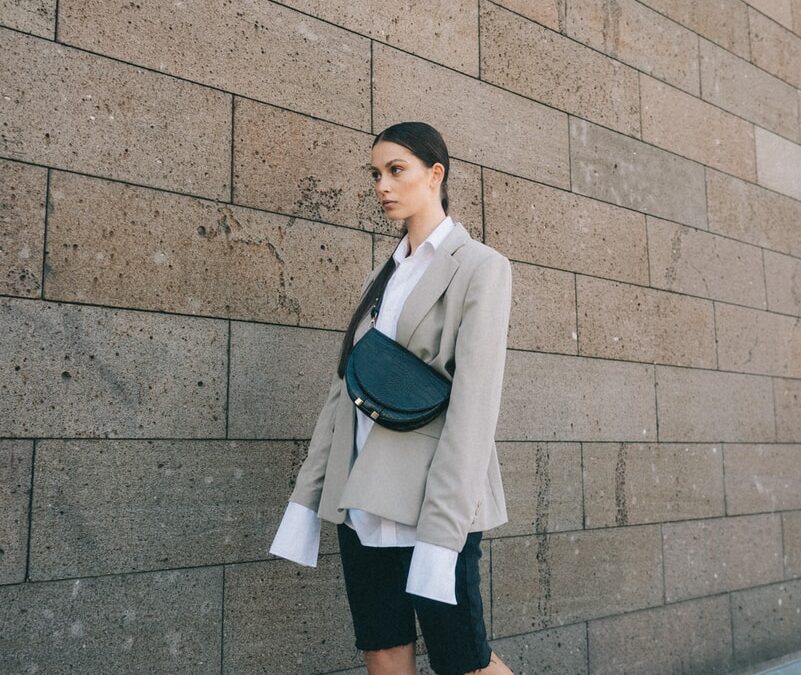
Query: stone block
[775, 48]
[15, 494]
[79, 370]
[549, 13]
[721, 554]
[692, 128]
[787, 398]
[541, 581]
[181, 504]
[791, 530]
[548, 397]
[542, 485]
[707, 406]
[630, 484]
[762, 478]
[115, 244]
[22, 214]
[480, 122]
[543, 315]
[796, 12]
[685, 638]
[37, 17]
[724, 22]
[261, 50]
[635, 323]
[131, 624]
[279, 379]
[736, 85]
[554, 651]
[757, 341]
[535, 223]
[781, 12]
[638, 36]
[440, 31]
[750, 213]
[615, 168]
[783, 280]
[281, 617]
[522, 56]
[766, 622]
[778, 162]
[301, 166]
[690, 261]
[74, 110]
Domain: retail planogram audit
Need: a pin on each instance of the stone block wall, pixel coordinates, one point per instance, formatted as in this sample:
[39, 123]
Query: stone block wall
[185, 222]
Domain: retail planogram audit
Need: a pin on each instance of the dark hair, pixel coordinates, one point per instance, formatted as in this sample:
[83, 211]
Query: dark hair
[427, 144]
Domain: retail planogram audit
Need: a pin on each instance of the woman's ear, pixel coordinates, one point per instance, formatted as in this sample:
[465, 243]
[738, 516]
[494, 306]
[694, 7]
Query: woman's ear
[438, 174]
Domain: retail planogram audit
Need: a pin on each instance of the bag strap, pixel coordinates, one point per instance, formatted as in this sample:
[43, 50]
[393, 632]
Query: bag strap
[377, 304]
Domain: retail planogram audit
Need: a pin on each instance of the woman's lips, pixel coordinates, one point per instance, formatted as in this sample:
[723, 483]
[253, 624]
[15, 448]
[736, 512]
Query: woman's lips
[389, 204]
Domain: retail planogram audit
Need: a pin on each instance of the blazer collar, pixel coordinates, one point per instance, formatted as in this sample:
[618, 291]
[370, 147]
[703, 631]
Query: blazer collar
[429, 288]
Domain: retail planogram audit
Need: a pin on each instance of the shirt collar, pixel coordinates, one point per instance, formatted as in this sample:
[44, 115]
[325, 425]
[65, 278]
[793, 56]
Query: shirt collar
[434, 239]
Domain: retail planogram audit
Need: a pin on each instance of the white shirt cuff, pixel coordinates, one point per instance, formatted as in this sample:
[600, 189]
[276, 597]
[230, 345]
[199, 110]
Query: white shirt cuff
[298, 535]
[432, 572]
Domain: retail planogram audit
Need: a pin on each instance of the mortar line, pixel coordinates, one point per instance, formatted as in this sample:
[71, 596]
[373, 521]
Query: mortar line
[478, 36]
[526, 179]
[26, 577]
[731, 625]
[372, 87]
[662, 561]
[583, 488]
[483, 209]
[222, 622]
[231, 157]
[587, 643]
[228, 381]
[453, 69]
[48, 178]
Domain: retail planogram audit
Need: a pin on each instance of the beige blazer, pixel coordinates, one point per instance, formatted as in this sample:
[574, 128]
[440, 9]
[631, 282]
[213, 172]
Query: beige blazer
[444, 477]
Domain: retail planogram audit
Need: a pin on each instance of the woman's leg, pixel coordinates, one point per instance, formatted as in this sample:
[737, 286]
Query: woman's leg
[398, 660]
[495, 667]
[455, 635]
[382, 612]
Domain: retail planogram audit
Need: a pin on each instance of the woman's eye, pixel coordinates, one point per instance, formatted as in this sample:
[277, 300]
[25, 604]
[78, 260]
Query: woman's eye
[392, 169]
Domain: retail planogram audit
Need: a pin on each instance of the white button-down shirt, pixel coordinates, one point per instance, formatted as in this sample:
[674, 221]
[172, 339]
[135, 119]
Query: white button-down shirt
[432, 572]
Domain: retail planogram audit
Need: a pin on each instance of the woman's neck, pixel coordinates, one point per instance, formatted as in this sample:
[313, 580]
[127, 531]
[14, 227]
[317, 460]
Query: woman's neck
[420, 225]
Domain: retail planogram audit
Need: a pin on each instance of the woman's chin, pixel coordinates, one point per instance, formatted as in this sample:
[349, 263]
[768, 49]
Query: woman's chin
[393, 215]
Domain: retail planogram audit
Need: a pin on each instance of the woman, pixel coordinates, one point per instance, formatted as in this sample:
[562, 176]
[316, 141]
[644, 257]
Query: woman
[411, 506]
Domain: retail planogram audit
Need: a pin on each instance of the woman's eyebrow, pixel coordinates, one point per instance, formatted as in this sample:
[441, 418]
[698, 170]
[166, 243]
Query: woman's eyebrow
[388, 163]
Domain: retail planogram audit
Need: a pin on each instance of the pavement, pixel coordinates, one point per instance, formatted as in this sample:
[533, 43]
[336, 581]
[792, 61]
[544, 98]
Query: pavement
[787, 665]
[793, 668]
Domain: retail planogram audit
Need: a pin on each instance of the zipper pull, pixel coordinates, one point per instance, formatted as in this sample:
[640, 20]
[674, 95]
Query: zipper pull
[373, 314]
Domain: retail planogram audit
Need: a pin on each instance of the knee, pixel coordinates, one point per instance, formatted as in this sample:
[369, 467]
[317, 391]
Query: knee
[390, 660]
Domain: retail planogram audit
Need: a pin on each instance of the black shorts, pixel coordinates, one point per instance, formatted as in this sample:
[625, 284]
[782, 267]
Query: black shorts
[383, 612]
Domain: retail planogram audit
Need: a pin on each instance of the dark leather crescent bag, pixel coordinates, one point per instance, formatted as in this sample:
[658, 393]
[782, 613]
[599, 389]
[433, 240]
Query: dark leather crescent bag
[392, 385]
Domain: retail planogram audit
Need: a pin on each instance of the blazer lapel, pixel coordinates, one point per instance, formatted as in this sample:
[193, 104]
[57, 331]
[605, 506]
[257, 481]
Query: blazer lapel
[428, 289]
[431, 285]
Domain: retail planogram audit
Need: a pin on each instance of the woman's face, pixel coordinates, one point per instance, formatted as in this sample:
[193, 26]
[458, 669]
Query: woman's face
[403, 184]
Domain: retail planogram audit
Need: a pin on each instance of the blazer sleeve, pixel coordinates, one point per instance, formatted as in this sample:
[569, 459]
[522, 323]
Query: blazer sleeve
[458, 469]
[309, 481]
